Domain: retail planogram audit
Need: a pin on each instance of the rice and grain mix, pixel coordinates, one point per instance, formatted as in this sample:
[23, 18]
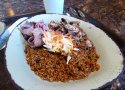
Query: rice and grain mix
[52, 66]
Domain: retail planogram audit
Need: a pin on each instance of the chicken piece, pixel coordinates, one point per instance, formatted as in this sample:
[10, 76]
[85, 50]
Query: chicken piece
[27, 28]
[32, 32]
[37, 34]
[63, 21]
[53, 25]
[41, 25]
[30, 41]
[73, 29]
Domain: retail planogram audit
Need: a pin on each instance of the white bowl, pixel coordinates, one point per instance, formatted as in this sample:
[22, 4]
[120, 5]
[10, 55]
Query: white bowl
[2, 27]
[110, 59]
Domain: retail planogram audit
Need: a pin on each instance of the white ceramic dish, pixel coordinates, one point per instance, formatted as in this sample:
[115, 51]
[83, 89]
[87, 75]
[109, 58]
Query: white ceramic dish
[110, 60]
[2, 27]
